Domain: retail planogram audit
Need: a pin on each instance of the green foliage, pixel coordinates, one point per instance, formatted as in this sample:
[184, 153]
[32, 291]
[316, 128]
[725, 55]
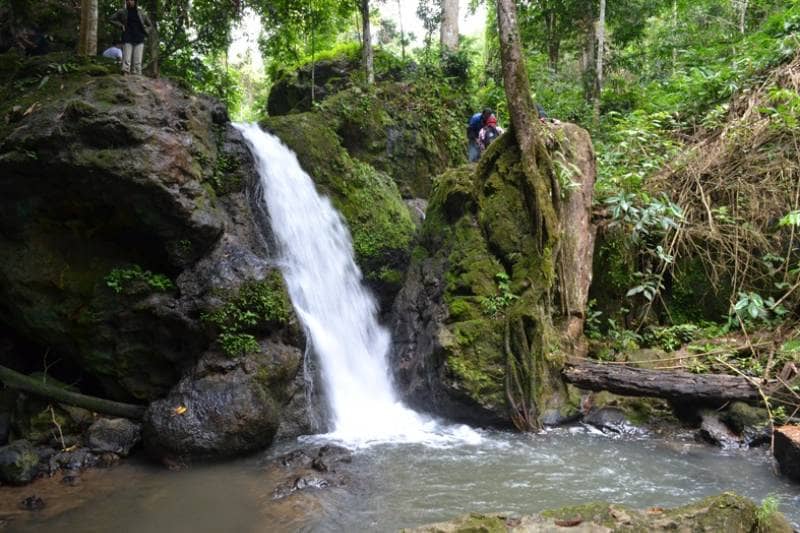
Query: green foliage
[633, 147]
[752, 306]
[237, 344]
[670, 338]
[495, 305]
[790, 219]
[135, 279]
[257, 308]
[205, 74]
[769, 506]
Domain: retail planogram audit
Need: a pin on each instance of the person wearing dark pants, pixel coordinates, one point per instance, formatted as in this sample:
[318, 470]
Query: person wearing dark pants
[135, 26]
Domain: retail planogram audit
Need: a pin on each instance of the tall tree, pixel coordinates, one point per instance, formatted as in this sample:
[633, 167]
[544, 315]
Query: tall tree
[367, 56]
[449, 26]
[154, 39]
[523, 118]
[601, 45]
[561, 249]
[87, 43]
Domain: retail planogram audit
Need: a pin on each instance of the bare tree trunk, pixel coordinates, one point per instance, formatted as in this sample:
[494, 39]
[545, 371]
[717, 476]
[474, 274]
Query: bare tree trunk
[588, 56]
[402, 32]
[449, 26]
[525, 123]
[87, 44]
[366, 48]
[154, 69]
[674, 33]
[601, 45]
[742, 15]
[15, 380]
[553, 39]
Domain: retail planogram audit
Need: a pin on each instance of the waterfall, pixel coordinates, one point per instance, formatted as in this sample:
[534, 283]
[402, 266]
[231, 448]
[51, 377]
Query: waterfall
[338, 312]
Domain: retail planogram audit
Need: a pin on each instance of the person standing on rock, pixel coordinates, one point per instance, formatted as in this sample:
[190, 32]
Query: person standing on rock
[135, 26]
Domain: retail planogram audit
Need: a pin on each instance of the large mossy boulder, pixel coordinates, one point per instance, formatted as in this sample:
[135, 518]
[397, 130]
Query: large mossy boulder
[473, 325]
[379, 222]
[727, 512]
[411, 131]
[128, 245]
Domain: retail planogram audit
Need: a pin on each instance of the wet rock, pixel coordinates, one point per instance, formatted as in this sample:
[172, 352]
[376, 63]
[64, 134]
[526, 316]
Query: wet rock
[71, 478]
[304, 469]
[296, 459]
[114, 435]
[107, 460]
[76, 460]
[303, 483]
[559, 417]
[608, 419]
[714, 431]
[726, 512]
[787, 451]
[32, 503]
[225, 407]
[19, 463]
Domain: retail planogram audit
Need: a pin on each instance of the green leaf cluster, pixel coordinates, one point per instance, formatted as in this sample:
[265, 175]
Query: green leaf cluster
[134, 279]
[257, 308]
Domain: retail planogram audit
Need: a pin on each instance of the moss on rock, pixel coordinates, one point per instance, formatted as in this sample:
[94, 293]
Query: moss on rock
[379, 221]
[726, 512]
[496, 348]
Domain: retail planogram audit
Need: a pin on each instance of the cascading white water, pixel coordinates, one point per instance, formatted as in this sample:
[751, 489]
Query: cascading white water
[339, 314]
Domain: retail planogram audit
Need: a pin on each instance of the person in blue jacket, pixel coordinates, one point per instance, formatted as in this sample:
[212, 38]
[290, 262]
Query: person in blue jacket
[474, 127]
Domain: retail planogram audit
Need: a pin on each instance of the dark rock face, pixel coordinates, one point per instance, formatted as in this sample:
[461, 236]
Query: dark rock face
[113, 435]
[128, 245]
[224, 407]
[19, 463]
[787, 451]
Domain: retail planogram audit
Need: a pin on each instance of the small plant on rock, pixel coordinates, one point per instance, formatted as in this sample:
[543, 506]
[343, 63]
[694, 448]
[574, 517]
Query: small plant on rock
[495, 305]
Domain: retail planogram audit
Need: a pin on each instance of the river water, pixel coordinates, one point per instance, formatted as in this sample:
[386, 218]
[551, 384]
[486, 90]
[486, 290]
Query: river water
[401, 485]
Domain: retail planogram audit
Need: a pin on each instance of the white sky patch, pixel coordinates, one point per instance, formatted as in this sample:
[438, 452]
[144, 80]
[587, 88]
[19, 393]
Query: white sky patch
[244, 42]
[245, 34]
[468, 24]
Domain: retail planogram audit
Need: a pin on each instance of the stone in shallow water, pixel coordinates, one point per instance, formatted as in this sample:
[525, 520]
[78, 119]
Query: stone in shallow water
[19, 463]
[787, 451]
[114, 435]
[32, 503]
[304, 469]
[714, 431]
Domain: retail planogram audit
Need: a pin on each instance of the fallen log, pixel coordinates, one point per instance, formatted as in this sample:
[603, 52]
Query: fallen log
[669, 385]
[15, 380]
